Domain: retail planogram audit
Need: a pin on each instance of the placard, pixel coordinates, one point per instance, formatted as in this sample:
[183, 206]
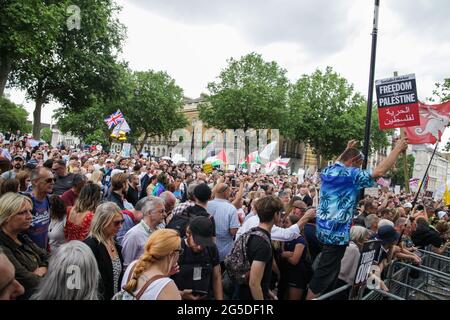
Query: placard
[207, 168]
[368, 254]
[372, 192]
[126, 150]
[397, 101]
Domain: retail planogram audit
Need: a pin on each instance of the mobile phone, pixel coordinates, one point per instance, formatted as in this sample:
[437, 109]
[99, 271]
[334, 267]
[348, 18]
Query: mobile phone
[199, 292]
[233, 183]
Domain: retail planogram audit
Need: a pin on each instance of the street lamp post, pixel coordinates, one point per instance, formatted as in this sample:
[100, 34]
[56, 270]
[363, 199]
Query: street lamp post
[193, 123]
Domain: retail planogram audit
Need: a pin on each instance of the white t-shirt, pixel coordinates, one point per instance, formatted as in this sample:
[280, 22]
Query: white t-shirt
[276, 234]
[153, 290]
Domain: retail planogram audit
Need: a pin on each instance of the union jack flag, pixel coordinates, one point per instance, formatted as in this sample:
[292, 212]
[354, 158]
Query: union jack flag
[114, 119]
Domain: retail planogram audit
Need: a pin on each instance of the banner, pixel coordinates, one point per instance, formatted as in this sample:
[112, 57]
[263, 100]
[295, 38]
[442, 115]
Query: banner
[397, 101]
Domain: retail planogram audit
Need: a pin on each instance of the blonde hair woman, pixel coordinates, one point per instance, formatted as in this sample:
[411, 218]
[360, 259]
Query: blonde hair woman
[106, 223]
[148, 277]
[29, 260]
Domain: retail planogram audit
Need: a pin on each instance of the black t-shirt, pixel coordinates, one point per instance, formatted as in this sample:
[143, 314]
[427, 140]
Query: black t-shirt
[197, 210]
[425, 235]
[132, 196]
[196, 268]
[258, 249]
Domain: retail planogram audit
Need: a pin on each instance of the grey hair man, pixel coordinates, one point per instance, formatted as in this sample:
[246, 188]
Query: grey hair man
[169, 203]
[133, 243]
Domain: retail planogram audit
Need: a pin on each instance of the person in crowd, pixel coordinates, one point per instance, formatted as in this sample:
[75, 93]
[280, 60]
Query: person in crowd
[10, 288]
[389, 238]
[299, 208]
[70, 196]
[161, 185]
[58, 215]
[200, 273]
[259, 251]
[24, 181]
[10, 185]
[73, 259]
[349, 263]
[108, 219]
[119, 188]
[135, 239]
[341, 183]
[107, 170]
[17, 164]
[132, 194]
[29, 260]
[190, 200]
[304, 195]
[371, 223]
[226, 219]
[151, 185]
[43, 182]
[79, 217]
[425, 235]
[298, 271]
[169, 203]
[64, 179]
[148, 278]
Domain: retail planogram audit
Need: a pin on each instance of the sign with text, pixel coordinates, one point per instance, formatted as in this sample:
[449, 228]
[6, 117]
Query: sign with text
[368, 254]
[397, 101]
[126, 150]
[371, 192]
[207, 168]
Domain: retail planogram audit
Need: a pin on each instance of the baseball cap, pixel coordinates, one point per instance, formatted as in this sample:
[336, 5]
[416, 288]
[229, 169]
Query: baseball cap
[408, 205]
[110, 160]
[387, 234]
[18, 157]
[202, 231]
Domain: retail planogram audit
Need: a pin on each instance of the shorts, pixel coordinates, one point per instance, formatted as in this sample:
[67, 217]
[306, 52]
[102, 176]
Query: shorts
[328, 268]
[298, 276]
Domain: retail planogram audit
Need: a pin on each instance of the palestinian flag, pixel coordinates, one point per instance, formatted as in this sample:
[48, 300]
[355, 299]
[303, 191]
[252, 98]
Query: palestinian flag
[252, 158]
[217, 160]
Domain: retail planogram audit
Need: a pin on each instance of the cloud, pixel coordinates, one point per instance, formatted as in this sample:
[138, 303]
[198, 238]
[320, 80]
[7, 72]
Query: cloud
[423, 17]
[320, 26]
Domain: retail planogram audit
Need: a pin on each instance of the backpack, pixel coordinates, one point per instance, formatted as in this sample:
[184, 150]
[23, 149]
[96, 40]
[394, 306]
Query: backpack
[180, 221]
[236, 262]
[125, 295]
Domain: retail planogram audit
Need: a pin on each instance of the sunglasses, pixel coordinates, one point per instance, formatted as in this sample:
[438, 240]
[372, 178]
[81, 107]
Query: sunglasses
[50, 180]
[118, 222]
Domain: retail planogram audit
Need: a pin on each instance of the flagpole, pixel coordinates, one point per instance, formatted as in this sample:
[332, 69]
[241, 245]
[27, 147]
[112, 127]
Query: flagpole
[371, 80]
[424, 176]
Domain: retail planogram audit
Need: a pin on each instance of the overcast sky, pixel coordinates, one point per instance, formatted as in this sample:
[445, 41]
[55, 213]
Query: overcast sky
[192, 40]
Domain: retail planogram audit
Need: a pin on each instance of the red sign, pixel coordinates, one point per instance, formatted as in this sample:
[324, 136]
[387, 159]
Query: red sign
[405, 115]
[397, 101]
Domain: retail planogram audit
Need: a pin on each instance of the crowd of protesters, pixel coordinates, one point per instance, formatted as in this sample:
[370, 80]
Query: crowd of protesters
[86, 224]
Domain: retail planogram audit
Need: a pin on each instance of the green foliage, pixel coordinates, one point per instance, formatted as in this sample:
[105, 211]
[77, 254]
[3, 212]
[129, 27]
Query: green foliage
[67, 65]
[441, 91]
[46, 135]
[250, 93]
[14, 117]
[397, 172]
[325, 112]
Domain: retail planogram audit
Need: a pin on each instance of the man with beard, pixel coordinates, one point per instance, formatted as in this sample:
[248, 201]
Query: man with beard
[18, 162]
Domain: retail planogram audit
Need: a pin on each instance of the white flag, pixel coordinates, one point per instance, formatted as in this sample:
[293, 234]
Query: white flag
[268, 150]
[123, 126]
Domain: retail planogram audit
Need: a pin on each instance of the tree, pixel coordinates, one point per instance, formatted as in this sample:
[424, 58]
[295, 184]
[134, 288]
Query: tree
[14, 117]
[46, 135]
[325, 113]
[397, 172]
[154, 106]
[71, 65]
[250, 94]
[442, 91]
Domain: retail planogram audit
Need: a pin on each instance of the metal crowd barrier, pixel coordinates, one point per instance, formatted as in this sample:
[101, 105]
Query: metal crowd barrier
[428, 281]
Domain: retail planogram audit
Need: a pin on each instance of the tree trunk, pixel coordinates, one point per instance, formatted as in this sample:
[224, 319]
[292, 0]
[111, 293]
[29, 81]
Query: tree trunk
[141, 145]
[247, 147]
[5, 69]
[37, 118]
[318, 160]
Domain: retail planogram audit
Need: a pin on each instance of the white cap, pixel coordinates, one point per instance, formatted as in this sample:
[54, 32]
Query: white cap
[441, 214]
[110, 160]
[408, 205]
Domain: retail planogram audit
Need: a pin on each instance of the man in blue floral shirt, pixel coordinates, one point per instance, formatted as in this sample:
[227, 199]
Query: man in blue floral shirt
[341, 184]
